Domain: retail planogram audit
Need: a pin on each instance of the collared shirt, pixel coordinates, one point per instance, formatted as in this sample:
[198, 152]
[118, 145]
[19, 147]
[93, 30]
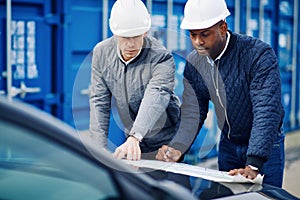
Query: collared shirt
[127, 62]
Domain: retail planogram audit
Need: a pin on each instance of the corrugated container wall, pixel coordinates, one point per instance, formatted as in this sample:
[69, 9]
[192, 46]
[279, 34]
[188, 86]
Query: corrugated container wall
[27, 70]
[50, 47]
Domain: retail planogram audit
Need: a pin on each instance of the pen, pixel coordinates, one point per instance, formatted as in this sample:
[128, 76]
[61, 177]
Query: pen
[167, 153]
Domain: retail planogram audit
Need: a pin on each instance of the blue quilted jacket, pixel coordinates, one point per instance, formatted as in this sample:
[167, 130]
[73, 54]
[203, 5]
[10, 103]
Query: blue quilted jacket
[244, 86]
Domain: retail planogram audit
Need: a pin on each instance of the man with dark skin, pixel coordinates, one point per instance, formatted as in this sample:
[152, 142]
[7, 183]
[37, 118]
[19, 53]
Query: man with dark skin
[240, 75]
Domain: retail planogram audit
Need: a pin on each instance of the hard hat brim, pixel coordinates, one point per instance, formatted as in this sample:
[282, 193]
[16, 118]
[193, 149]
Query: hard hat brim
[131, 32]
[188, 25]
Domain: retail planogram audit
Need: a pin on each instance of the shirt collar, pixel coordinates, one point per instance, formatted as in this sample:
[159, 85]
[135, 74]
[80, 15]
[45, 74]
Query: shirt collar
[227, 42]
[120, 56]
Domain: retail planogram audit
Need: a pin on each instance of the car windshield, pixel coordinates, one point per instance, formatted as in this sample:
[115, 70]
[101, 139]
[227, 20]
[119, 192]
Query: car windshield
[32, 167]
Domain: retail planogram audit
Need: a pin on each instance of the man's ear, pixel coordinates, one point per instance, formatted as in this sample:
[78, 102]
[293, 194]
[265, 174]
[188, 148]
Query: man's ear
[223, 28]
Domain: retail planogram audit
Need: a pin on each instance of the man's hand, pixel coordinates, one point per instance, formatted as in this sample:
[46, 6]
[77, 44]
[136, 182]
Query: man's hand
[168, 154]
[247, 172]
[129, 149]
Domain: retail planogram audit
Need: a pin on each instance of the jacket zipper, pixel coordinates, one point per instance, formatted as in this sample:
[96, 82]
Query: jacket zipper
[215, 78]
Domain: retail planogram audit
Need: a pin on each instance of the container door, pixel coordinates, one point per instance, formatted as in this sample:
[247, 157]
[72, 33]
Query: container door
[81, 32]
[31, 53]
[87, 25]
[287, 52]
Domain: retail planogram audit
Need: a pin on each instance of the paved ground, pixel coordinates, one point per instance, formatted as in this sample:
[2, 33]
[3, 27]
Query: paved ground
[291, 180]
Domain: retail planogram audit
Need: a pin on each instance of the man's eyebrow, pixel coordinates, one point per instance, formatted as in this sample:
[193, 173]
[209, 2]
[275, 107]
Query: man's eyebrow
[199, 32]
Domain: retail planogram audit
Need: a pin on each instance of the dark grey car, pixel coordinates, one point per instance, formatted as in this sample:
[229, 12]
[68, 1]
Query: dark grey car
[43, 158]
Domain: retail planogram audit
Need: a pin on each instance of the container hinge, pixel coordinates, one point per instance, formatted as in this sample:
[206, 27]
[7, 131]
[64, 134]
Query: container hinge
[52, 19]
[23, 90]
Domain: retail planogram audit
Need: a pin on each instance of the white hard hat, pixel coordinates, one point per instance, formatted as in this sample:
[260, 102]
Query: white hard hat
[201, 14]
[129, 18]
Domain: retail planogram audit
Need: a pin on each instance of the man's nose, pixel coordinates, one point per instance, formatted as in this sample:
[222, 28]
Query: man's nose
[198, 40]
[130, 41]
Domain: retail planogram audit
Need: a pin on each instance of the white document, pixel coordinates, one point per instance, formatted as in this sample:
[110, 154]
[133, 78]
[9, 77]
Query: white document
[193, 170]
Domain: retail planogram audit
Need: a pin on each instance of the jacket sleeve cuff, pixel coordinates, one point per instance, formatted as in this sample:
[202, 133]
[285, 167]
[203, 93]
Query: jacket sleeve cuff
[138, 132]
[255, 161]
[138, 136]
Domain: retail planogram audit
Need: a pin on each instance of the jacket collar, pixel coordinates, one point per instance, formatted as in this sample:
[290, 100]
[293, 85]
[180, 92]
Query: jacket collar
[231, 44]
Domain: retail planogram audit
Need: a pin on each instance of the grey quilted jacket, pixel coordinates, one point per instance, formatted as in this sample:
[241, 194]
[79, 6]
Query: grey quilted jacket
[142, 93]
[246, 91]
